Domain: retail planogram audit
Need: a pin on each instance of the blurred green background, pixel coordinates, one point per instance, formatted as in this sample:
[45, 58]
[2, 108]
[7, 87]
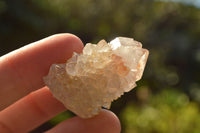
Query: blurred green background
[167, 99]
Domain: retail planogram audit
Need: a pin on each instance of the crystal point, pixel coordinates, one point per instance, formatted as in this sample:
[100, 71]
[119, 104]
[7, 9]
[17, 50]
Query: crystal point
[101, 74]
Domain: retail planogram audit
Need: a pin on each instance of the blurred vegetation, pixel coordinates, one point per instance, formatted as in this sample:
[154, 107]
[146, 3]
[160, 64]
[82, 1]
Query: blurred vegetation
[167, 98]
[167, 112]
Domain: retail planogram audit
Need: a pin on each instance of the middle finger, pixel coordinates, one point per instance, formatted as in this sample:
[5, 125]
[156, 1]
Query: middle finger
[30, 112]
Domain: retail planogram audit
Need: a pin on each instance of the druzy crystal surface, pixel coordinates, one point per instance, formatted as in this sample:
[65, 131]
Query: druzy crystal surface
[97, 76]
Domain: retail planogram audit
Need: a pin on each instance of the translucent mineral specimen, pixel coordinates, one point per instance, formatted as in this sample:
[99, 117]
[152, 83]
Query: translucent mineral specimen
[99, 75]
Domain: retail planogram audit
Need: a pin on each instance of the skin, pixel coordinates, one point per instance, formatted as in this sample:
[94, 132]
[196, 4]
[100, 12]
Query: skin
[26, 103]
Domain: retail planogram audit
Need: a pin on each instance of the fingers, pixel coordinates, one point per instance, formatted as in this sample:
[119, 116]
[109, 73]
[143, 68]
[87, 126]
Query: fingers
[39, 106]
[105, 122]
[30, 112]
[22, 70]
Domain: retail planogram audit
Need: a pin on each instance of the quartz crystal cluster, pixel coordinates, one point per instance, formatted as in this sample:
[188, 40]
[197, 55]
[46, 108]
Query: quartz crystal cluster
[97, 76]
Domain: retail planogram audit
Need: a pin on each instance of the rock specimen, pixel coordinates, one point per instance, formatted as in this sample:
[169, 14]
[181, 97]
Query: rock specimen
[99, 75]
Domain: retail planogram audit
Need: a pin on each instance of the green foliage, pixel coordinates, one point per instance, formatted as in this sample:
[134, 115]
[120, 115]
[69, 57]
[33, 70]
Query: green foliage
[166, 112]
[60, 117]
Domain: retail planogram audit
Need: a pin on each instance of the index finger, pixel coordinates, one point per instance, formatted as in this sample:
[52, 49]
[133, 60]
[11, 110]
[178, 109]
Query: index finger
[22, 71]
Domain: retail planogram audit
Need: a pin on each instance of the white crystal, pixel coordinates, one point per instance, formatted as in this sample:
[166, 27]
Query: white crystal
[99, 75]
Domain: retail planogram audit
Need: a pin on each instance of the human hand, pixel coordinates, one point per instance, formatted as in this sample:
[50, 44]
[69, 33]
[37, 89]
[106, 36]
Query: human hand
[26, 103]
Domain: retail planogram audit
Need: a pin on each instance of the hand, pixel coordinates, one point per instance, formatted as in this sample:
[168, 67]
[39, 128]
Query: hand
[24, 101]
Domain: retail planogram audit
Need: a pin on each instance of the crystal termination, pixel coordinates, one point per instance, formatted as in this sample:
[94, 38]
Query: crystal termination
[99, 75]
